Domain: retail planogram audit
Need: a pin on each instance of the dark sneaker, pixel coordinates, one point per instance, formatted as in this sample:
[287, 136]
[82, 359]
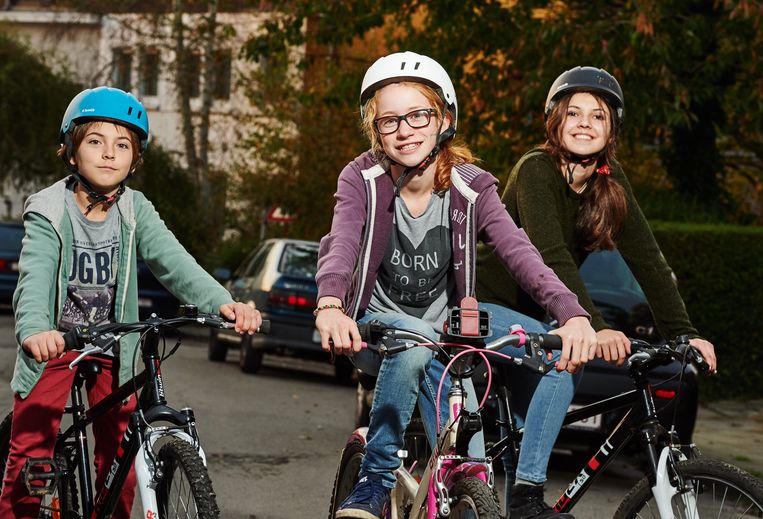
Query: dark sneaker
[527, 503]
[366, 501]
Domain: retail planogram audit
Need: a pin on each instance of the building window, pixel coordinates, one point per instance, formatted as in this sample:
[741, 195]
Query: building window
[149, 72]
[122, 69]
[221, 76]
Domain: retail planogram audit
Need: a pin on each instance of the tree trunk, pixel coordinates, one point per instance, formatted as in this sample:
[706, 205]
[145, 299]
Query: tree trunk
[183, 89]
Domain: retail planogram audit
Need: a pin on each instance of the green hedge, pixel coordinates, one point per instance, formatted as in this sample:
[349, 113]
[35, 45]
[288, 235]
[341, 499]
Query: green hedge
[720, 276]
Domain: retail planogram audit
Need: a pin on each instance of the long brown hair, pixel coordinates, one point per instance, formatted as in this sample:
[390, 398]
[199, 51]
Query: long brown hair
[604, 206]
[452, 152]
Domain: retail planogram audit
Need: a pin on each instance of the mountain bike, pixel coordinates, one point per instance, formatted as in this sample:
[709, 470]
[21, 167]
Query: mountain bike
[163, 442]
[679, 481]
[452, 483]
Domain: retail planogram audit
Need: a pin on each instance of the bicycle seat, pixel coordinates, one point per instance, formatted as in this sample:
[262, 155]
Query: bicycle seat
[88, 368]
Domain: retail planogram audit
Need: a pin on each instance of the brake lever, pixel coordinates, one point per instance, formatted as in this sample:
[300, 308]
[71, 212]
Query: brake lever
[90, 350]
[534, 357]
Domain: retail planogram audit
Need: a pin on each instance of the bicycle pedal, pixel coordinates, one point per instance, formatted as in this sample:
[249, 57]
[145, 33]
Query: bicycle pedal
[40, 476]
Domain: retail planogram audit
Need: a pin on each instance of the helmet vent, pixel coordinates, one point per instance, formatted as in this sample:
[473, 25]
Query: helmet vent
[139, 114]
[129, 110]
[417, 65]
[402, 66]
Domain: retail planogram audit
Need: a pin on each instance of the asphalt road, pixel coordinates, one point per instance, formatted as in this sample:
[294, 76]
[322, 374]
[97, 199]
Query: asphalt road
[273, 440]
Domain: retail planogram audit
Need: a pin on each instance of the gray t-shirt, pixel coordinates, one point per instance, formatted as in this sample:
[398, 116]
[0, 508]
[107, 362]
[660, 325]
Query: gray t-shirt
[93, 277]
[414, 276]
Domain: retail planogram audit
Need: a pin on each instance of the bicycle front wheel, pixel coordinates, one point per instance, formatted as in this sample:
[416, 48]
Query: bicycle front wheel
[474, 499]
[719, 490]
[184, 490]
[347, 473]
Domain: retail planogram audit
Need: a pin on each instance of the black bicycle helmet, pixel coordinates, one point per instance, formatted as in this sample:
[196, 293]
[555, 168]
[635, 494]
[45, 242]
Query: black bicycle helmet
[587, 79]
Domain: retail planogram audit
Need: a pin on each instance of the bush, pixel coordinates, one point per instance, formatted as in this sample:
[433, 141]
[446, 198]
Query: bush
[719, 270]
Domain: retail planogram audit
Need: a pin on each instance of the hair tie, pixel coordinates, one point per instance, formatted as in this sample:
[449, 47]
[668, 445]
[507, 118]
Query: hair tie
[603, 170]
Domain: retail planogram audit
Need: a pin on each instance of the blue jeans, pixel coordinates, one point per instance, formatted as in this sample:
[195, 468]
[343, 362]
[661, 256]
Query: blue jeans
[401, 380]
[548, 401]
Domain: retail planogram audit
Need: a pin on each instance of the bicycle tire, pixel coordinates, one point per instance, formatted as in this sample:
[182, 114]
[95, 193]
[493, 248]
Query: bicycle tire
[184, 489]
[347, 473]
[720, 489]
[474, 499]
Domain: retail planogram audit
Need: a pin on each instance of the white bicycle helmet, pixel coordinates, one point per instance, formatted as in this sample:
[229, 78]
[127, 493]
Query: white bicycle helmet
[409, 66]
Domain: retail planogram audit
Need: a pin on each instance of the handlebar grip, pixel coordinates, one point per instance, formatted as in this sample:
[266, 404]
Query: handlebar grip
[71, 341]
[264, 327]
[371, 331]
[550, 342]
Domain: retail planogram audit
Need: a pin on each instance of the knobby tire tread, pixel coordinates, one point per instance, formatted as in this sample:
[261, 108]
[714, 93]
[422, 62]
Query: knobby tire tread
[180, 455]
[711, 468]
[481, 495]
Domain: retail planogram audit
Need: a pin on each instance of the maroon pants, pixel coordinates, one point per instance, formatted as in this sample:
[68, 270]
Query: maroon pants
[36, 421]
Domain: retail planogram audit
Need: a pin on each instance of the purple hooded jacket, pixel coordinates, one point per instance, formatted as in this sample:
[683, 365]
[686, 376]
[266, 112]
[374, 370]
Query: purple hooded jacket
[350, 255]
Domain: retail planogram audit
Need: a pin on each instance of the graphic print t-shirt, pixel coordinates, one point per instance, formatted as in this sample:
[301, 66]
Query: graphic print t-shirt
[414, 277]
[92, 280]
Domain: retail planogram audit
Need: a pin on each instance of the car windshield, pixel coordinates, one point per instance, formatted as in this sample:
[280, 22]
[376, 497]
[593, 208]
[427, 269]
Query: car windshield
[10, 237]
[607, 269]
[299, 260]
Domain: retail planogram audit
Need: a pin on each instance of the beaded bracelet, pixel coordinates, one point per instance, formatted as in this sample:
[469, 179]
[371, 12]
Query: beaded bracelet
[326, 307]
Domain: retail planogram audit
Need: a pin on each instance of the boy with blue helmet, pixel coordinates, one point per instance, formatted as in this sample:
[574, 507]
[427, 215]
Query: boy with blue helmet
[78, 267]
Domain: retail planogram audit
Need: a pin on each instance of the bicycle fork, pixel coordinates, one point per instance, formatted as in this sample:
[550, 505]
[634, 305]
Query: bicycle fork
[664, 489]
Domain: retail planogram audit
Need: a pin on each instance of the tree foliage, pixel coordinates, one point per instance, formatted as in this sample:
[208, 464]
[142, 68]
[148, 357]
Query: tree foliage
[690, 70]
[31, 107]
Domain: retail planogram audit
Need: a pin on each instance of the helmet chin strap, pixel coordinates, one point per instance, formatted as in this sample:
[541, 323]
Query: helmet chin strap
[98, 198]
[424, 164]
[575, 160]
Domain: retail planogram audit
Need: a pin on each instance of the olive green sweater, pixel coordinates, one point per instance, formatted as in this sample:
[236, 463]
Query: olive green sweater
[540, 201]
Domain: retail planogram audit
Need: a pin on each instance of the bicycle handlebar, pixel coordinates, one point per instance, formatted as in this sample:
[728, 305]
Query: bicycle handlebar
[394, 340]
[643, 353]
[101, 338]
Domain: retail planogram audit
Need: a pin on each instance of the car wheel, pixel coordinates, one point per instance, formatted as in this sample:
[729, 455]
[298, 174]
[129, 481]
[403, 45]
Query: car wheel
[344, 371]
[218, 349]
[250, 359]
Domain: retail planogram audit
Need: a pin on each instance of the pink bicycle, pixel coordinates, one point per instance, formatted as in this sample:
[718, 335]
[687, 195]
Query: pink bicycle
[451, 483]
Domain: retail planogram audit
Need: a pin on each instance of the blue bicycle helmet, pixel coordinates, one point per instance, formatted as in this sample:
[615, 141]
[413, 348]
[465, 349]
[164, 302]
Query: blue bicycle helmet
[106, 104]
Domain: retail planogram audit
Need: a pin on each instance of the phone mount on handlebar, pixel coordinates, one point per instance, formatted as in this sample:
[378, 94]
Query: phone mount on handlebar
[468, 321]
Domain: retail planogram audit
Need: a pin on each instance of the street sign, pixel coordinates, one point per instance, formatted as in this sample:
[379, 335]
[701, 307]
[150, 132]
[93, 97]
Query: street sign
[276, 214]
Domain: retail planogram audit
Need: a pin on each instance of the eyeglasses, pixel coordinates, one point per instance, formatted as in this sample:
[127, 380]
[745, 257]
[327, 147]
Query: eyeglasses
[415, 119]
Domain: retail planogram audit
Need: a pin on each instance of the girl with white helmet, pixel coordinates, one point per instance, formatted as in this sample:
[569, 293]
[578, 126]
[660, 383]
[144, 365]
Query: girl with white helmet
[401, 249]
[572, 197]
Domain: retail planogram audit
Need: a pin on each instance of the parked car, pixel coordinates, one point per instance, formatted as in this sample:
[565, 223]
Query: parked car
[279, 278]
[619, 298]
[11, 234]
[152, 296]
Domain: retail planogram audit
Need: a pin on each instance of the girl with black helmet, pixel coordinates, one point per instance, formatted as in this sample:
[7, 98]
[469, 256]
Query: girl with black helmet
[401, 249]
[572, 197]
[78, 267]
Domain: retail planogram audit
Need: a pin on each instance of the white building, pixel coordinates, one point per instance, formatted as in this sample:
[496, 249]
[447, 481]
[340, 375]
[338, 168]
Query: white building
[135, 52]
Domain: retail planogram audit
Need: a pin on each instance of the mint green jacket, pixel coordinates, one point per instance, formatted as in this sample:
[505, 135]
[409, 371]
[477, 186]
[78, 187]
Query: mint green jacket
[45, 264]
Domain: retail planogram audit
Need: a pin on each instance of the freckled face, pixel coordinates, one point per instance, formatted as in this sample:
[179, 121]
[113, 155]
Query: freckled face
[104, 156]
[586, 125]
[407, 146]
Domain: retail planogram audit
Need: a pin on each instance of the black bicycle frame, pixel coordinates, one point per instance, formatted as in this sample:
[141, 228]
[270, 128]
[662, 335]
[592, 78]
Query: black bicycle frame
[640, 417]
[152, 407]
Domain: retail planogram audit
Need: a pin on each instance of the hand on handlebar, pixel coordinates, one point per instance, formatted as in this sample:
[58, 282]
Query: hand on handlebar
[613, 346]
[707, 350]
[578, 344]
[44, 346]
[340, 329]
[247, 319]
